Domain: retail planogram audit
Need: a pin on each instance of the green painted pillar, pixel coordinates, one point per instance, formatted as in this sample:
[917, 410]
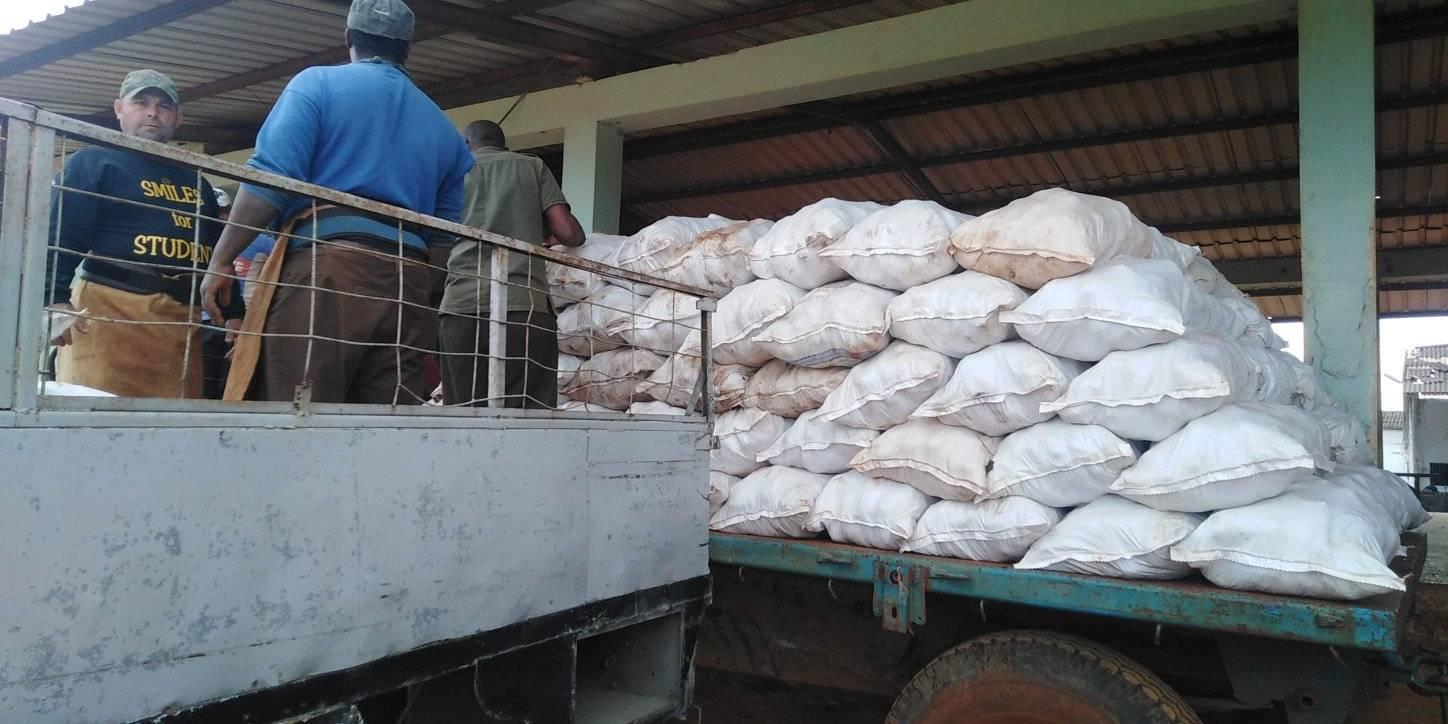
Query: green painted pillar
[593, 174]
[1337, 151]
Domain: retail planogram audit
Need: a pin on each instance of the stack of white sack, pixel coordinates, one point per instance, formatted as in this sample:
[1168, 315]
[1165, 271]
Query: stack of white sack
[872, 390]
[567, 285]
[658, 246]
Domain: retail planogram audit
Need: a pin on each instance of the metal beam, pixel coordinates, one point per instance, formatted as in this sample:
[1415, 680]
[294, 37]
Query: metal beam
[505, 31]
[1399, 212]
[106, 34]
[887, 144]
[1395, 266]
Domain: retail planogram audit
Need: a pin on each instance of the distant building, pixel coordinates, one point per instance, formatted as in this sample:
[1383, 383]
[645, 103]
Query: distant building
[1425, 406]
[1395, 443]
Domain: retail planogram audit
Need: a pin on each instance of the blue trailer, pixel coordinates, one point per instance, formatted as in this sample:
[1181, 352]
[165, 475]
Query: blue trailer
[966, 641]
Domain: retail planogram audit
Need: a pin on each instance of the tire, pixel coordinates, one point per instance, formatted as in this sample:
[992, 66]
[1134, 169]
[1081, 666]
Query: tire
[1030, 677]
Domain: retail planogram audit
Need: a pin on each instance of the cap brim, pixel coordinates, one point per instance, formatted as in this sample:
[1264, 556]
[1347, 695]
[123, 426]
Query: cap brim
[142, 89]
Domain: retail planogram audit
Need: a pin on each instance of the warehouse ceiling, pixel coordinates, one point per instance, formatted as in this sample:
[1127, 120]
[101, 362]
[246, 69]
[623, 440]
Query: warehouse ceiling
[1197, 134]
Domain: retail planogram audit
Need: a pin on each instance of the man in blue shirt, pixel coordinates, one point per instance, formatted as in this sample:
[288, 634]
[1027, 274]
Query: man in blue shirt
[366, 129]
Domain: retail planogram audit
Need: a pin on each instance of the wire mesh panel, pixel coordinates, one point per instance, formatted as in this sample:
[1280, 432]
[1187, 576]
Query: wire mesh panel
[129, 294]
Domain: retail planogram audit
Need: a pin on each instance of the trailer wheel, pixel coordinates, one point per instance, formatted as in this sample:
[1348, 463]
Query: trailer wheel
[1020, 677]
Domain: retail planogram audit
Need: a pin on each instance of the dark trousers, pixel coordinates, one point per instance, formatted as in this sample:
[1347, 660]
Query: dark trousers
[379, 357]
[214, 364]
[530, 372]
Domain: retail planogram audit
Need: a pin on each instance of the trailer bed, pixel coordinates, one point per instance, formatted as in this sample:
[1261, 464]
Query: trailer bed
[902, 579]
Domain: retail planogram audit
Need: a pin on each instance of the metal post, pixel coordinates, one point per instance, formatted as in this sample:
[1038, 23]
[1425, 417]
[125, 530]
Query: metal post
[593, 174]
[31, 332]
[1338, 184]
[497, 330]
[12, 247]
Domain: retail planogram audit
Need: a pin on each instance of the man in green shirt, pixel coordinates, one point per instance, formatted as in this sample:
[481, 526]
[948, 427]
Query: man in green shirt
[514, 195]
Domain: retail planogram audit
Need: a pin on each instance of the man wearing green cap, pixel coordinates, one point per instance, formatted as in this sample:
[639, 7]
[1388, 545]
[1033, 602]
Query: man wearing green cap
[129, 243]
[363, 128]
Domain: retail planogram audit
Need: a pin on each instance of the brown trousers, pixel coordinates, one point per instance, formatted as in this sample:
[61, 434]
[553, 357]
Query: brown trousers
[530, 374]
[378, 359]
[132, 360]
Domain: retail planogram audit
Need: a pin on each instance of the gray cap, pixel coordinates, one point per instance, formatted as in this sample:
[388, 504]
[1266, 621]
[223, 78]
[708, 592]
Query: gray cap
[387, 18]
[139, 80]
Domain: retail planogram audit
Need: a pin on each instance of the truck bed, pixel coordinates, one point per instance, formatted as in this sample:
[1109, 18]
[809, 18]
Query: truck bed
[902, 579]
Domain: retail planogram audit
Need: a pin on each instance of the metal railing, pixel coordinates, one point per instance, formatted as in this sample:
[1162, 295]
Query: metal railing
[36, 147]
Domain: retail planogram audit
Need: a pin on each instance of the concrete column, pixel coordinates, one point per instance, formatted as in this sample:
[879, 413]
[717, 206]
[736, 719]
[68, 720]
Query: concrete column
[593, 174]
[1338, 182]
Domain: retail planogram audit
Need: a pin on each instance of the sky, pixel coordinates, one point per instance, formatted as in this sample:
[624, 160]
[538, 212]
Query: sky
[1395, 337]
[19, 13]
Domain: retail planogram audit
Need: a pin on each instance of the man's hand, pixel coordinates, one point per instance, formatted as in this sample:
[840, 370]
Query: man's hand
[62, 314]
[216, 292]
[232, 327]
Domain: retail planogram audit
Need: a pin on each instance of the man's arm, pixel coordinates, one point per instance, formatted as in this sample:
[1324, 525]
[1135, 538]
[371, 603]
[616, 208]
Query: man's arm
[248, 213]
[72, 223]
[563, 225]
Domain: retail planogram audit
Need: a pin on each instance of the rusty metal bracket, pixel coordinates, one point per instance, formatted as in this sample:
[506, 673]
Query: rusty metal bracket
[900, 594]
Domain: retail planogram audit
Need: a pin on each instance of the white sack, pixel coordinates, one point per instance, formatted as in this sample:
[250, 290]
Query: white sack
[68, 389]
[1115, 537]
[661, 325]
[656, 245]
[791, 249]
[744, 313]
[1386, 489]
[582, 328]
[567, 369]
[882, 391]
[956, 315]
[836, 325]
[717, 259]
[818, 446]
[864, 511]
[1048, 235]
[568, 285]
[581, 406]
[1150, 393]
[1346, 435]
[775, 501]
[742, 434]
[1242, 453]
[1316, 539]
[783, 389]
[719, 486]
[611, 379]
[1058, 464]
[1118, 305]
[655, 408]
[899, 246]
[1168, 249]
[1281, 377]
[998, 530]
[940, 460]
[999, 389]
[674, 382]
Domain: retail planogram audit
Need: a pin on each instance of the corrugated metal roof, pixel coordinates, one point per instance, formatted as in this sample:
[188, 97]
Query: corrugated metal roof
[1425, 371]
[1392, 419]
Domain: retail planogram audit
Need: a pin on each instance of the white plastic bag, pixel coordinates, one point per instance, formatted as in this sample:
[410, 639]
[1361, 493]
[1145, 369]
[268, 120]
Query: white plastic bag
[1123, 304]
[1386, 489]
[611, 379]
[864, 511]
[582, 328]
[882, 391]
[999, 389]
[1347, 436]
[775, 501]
[719, 486]
[717, 259]
[999, 530]
[791, 249]
[568, 285]
[818, 446]
[1240, 454]
[1316, 539]
[899, 246]
[955, 315]
[1058, 464]
[836, 325]
[742, 434]
[656, 245]
[783, 389]
[744, 313]
[1114, 537]
[1050, 234]
[940, 460]
[1168, 249]
[1150, 393]
[661, 325]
